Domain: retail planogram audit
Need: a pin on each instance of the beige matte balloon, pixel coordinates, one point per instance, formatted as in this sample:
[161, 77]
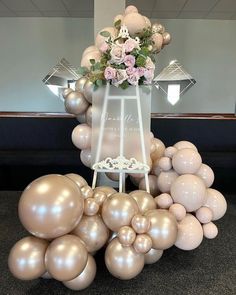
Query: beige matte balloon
[123, 262]
[157, 40]
[163, 229]
[183, 144]
[135, 23]
[85, 61]
[216, 202]
[81, 136]
[140, 223]
[75, 103]
[206, 174]
[100, 40]
[88, 91]
[79, 180]
[210, 230]
[79, 85]
[157, 149]
[152, 256]
[178, 211]
[93, 231]
[190, 233]
[86, 157]
[186, 161]
[190, 191]
[66, 92]
[147, 21]
[89, 116]
[142, 243]
[166, 38]
[144, 200]
[156, 169]
[204, 214]
[106, 189]
[131, 9]
[158, 28]
[26, 258]
[165, 163]
[165, 180]
[51, 206]
[86, 278]
[118, 210]
[164, 201]
[170, 151]
[126, 235]
[91, 207]
[87, 192]
[66, 258]
[89, 49]
[154, 190]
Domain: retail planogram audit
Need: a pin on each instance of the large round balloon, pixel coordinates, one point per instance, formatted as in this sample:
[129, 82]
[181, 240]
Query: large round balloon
[85, 61]
[79, 85]
[81, 136]
[165, 180]
[206, 174]
[216, 202]
[51, 206]
[86, 157]
[154, 190]
[87, 276]
[190, 233]
[75, 103]
[135, 23]
[89, 49]
[144, 200]
[186, 161]
[26, 258]
[88, 91]
[163, 229]
[183, 144]
[66, 258]
[93, 232]
[157, 149]
[105, 189]
[157, 40]
[189, 190]
[152, 256]
[123, 262]
[79, 180]
[118, 210]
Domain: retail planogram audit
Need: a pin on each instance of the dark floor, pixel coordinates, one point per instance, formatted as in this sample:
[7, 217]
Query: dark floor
[210, 269]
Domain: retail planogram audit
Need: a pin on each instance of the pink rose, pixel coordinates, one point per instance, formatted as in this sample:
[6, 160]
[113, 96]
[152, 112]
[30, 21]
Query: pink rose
[121, 76]
[104, 47]
[134, 78]
[141, 71]
[149, 75]
[130, 44]
[129, 60]
[149, 64]
[110, 73]
[117, 54]
[131, 70]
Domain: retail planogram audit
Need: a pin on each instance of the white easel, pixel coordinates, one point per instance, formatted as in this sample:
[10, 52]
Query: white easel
[120, 164]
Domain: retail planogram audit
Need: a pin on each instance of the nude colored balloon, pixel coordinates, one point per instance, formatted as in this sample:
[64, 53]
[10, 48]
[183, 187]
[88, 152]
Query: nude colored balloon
[206, 174]
[100, 40]
[144, 200]
[178, 211]
[79, 180]
[157, 149]
[51, 206]
[79, 85]
[89, 49]
[86, 157]
[164, 201]
[66, 257]
[99, 197]
[158, 28]
[87, 192]
[75, 103]
[153, 256]
[91, 207]
[93, 231]
[46, 276]
[190, 191]
[66, 92]
[85, 61]
[118, 210]
[190, 233]
[131, 9]
[204, 215]
[186, 161]
[216, 202]
[154, 190]
[156, 169]
[140, 223]
[165, 180]
[165, 163]
[126, 235]
[185, 145]
[106, 189]
[135, 23]
[88, 91]
[89, 116]
[26, 258]
[81, 136]
[157, 40]
[170, 151]
[166, 38]
[163, 229]
[142, 243]
[86, 278]
[210, 230]
[148, 22]
[81, 118]
[123, 262]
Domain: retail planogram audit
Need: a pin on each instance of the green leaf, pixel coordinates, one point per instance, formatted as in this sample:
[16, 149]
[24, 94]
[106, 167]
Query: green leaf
[92, 61]
[99, 82]
[117, 24]
[124, 85]
[105, 34]
[82, 71]
[140, 61]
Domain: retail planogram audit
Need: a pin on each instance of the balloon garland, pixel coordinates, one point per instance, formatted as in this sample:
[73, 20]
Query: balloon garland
[69, 221]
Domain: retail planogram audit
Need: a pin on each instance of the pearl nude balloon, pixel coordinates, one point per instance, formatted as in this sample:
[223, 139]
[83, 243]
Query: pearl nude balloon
[158, 28]
[165, 180]
[99, 197]
[87, 192]
[190, 233]
[89, 116]
[51, 206]
[190, 191]
[91, 207]
[140, 223]
[152, 256]
[165, 164]
[185, 145]
[157, 40]
[75, 103]
[135, 23]
[163, 229]
[85, 61]
[170, 151]
[86, 278]
[66, 258]
[88, 91]
[204, 214]
[105, 189]
[89, 49]
[79, 180]
[216, 202]
[118, 210]
[86, 157]
[178, 211]
[126, 235]
[93, 232]
[123, 262]
[206, 174]
[66, 92]
[26, 258]
[81, 118]
[79, 85]
[157, 149]
[81, 136]
[154, 190]
[164, 201]
[166, 38]
[144, 200]
[186, 161]
[142, 243]
[210, 230]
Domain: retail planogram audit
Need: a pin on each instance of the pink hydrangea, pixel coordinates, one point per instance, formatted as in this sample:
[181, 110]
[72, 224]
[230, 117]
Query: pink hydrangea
[129, 60]
[134, 78]
[130, 44]
[110, 73]
[117, 54]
